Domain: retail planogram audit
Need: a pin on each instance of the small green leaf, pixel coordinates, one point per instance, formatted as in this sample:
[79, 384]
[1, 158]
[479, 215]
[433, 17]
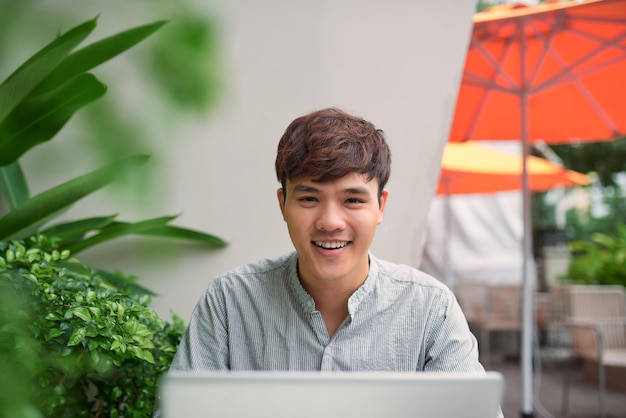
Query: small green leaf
[77, 336]
[145, 355]
[82, 313]
[31, 277]
[95, 311]
[53, 333]
[53, 317]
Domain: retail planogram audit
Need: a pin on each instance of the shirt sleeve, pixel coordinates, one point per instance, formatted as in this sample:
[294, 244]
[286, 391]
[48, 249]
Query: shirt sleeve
[204, 345]
[452, 347]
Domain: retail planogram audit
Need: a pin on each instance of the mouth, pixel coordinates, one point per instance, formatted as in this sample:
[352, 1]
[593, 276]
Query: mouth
[331, 245]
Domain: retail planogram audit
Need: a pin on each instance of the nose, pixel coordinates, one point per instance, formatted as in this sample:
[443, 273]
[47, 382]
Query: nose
[331, 218]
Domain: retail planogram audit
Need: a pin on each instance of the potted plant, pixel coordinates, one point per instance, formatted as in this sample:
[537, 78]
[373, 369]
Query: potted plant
[75, 340]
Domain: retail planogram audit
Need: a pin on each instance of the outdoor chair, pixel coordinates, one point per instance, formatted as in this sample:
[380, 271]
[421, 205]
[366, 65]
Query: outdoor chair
[553, 313]
[500, 312]
[598, 326]
[471, 296]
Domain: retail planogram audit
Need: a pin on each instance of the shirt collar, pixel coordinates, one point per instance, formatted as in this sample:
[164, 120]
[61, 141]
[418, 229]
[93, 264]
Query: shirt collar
[366, 288]
[307, 302]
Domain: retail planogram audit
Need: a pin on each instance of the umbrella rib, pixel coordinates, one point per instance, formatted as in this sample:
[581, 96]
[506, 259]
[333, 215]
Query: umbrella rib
[473, 79]
[585, 92]
[489, 84]
[598, 39]
[547, 42]
[568, 70]
[498, 69]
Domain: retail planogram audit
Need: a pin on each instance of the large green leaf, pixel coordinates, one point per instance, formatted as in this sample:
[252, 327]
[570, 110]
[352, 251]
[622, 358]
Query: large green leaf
[38, 120]
[170, 231]
[60, 197]
[13, 184]
[118, 229]
[69, 232]
[95, 54]
[36, 68]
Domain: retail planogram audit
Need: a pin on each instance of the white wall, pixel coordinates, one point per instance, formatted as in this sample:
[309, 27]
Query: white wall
[475, 238]
[395, 62]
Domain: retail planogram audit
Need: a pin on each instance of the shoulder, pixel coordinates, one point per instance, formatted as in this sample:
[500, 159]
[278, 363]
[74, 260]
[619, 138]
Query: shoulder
[403, 273]
[420, 291]
[408, 281]
[255, 273]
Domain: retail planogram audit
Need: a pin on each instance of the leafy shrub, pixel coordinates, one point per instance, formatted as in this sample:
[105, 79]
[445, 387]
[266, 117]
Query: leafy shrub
[90, 348]
[601, 260]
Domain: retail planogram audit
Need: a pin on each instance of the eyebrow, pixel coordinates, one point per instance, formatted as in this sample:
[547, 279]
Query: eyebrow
[305, 188]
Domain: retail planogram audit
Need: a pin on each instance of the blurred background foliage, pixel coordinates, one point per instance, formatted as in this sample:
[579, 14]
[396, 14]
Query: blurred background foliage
[173, 77]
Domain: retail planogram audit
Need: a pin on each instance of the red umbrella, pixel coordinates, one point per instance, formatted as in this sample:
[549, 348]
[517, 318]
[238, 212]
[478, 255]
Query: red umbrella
[554, 72]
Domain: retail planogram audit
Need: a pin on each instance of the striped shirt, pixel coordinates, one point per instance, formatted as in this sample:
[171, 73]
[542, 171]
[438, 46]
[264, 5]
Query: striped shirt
[259, 317]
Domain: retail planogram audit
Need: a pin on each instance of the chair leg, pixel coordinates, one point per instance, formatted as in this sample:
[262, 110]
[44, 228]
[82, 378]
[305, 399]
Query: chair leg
[566, 383]
[602, 387]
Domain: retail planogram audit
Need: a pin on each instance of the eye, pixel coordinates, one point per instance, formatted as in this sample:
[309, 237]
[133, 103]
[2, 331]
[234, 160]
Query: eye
[354, 201]
[307, 199]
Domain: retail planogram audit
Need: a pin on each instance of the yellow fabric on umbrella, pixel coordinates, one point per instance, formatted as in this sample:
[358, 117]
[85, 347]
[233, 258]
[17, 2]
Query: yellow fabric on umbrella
[469, 167]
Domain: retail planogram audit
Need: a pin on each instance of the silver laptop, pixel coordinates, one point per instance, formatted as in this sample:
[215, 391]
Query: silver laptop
[329, 395]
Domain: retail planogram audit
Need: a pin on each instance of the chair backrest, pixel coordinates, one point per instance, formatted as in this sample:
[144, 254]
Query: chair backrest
[504, 302]
[603, 305]
[597, 301]
[471, 297]
[559, 304]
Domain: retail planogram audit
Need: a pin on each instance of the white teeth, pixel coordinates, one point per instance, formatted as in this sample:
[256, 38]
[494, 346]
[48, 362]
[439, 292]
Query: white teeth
[331, 244]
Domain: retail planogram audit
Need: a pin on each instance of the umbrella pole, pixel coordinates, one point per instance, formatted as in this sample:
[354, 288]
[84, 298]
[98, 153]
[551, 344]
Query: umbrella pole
[528, 278]
[527, 267]
[527, 256]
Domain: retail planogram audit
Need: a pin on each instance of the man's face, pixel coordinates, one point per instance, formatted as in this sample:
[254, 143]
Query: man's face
[332, 225]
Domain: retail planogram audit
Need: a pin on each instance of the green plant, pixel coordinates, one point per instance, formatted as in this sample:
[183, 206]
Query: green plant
[94, 349]
[600, 260]
[74, 340]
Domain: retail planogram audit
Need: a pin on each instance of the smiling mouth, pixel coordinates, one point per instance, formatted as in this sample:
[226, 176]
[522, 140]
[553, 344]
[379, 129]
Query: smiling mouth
[331, 245]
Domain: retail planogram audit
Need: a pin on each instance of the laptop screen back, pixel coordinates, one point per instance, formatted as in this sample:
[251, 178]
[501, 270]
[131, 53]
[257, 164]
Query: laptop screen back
[326, 395]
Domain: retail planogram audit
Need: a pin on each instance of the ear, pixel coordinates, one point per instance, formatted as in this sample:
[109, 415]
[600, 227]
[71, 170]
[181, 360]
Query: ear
[381, 205]
[280, 193]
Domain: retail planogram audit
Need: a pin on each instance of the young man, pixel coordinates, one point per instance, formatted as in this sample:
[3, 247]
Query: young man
[331, 305]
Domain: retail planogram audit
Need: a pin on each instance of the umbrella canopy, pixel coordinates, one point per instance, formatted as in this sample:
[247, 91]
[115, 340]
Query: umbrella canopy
[468, 167]
[555, 72]
[562, 63]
